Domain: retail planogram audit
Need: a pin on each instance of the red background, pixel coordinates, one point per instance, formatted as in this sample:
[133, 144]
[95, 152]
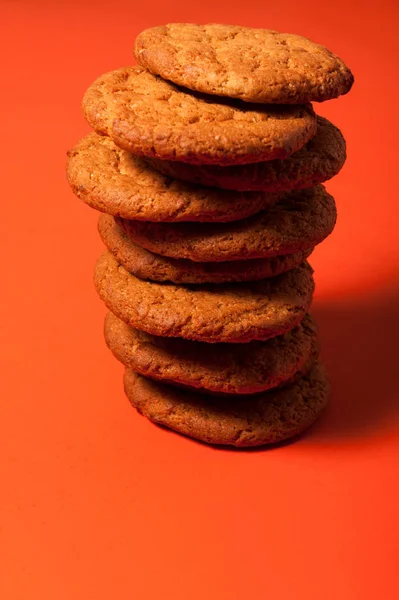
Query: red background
[95, 501]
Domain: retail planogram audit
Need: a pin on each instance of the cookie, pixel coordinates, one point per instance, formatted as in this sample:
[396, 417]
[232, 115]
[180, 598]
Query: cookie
[319, 160]
[147, 265]
[265, 418]
[116, 182]
[148, 116]
[238, 312]
[255, 65]
[301, 220]
[224, 368]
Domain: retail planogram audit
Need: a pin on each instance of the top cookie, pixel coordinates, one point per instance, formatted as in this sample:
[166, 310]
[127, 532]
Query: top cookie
[148, 116]
[255, 65]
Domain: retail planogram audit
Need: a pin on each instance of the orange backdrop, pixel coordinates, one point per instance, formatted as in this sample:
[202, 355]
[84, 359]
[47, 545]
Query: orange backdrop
[96, 503]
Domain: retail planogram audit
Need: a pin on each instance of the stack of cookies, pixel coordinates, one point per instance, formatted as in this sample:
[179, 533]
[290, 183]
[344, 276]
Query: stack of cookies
[207, 163]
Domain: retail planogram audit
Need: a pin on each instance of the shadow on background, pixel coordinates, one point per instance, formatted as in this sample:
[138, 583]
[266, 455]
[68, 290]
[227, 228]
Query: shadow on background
[360, 346]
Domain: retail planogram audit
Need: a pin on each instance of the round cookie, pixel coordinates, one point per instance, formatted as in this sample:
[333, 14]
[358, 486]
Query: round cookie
[255, 65]
[319, 160]
[116, 182]
[147, 265]
[224, 368]
[301, 220]
[148, 116]
[236, 313]
[265, 418]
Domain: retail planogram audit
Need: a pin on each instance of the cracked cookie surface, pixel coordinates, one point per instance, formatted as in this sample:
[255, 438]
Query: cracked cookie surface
[265, 418]
[300, 221]
[224, 368]
[116, 182]
[235, 313]
[319, 160]
[147, 265]
[255, 65]
[148, 116]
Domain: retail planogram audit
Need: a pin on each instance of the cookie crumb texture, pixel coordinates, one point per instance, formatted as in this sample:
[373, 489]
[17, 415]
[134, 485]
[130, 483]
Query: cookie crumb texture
[147, 265]
[148, 116]
[234, 313]
[298, 222]
[254, 65]
[266, 418]
[224, 368]
[116, 182]
[319, 160]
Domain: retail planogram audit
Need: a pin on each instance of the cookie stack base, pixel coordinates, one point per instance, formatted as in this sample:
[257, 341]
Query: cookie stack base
[247, 421]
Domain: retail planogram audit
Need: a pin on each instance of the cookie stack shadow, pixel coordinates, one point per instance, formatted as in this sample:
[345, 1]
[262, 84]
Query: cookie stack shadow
[212, 201]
